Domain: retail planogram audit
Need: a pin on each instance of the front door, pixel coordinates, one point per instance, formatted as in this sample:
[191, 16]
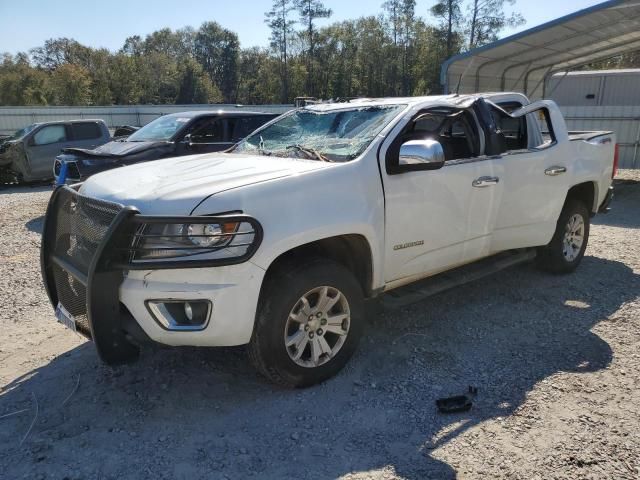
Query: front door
[439, 219]
[42, 148]
[209, 135]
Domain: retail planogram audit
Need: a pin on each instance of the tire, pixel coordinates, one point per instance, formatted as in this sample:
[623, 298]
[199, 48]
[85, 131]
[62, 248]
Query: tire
[282, 312]
[564, 253]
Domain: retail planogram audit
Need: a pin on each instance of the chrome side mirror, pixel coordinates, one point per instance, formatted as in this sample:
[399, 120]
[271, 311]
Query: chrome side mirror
[421, 155]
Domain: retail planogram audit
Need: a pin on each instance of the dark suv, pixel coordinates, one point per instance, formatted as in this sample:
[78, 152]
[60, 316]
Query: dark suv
[174, 135]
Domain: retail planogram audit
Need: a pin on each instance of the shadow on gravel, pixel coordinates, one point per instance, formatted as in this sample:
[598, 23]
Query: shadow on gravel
[195, 413]
[626, 195]
[35, 224]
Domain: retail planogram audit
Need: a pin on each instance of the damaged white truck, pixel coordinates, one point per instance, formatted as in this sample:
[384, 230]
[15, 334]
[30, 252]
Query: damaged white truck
[278, 243]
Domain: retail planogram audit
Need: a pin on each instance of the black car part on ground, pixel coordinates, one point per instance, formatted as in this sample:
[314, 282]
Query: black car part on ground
[85, 250]
[458, 403]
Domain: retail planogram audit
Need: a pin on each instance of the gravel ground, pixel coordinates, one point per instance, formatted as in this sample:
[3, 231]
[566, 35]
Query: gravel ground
[556, 360]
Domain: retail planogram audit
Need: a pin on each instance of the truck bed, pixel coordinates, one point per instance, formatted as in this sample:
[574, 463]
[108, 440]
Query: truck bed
[587, 135]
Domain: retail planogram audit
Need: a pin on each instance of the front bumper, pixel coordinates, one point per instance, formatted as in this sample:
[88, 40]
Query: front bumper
[232, 290]
[66, 172]
[84, 268]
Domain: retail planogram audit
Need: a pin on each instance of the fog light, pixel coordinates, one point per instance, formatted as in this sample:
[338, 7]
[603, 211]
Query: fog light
[180, 315]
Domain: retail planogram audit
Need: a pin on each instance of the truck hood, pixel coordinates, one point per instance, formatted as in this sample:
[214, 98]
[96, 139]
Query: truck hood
[115, 149]
[175, 186]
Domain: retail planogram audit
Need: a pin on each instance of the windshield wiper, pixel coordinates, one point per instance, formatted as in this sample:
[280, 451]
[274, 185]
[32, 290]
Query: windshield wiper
[310, 152]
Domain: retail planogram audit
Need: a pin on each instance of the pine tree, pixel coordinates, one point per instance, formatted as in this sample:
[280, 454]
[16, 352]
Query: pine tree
[281, 30]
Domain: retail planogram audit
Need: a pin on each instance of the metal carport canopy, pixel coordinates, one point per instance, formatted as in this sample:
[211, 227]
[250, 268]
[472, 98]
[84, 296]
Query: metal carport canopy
[523, 61]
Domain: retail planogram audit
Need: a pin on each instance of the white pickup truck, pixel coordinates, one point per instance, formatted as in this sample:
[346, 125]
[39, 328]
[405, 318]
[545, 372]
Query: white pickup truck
[278, 243]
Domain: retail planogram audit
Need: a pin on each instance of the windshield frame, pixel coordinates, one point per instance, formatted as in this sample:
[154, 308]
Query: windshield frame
[401, 108]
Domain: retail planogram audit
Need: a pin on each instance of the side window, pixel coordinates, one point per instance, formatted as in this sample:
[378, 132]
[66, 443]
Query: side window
[243, 126]
[458, 138]
[546, 128]
[455, 130]
[210, 130]
[86, 131]
[50, 134]
[513, 129]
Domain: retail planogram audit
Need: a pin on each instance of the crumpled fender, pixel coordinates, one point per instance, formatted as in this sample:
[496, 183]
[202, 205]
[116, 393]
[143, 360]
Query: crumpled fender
[14, 156]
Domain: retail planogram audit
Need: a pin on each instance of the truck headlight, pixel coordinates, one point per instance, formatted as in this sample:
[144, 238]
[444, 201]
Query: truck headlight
[211, 234]
[169, 242]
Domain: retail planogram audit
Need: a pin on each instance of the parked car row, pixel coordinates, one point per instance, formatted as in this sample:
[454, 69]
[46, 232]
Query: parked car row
[71, 151]
[174, 135]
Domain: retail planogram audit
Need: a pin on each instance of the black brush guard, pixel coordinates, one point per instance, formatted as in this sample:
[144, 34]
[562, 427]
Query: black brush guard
[86, 248]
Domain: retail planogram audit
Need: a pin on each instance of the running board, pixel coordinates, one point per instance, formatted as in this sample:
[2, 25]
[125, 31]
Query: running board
[415, 292]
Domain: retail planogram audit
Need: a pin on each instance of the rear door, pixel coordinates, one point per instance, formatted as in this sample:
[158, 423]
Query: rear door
[43, 146]
[86, 134]
[536, 165]
[438, 219]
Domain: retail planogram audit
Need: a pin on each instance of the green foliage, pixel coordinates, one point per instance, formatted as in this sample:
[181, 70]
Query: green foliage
[449, 14]
[486, 19]
[279, 21]
[217, 50]
[310, 11]
[70, 85]
[195, 85]
[396, 53]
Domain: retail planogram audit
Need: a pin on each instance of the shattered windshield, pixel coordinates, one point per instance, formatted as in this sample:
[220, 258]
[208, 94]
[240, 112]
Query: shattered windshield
[162, 128]
[334, 136]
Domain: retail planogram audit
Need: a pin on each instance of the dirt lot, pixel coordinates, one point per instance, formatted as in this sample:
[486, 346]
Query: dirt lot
[556, 360]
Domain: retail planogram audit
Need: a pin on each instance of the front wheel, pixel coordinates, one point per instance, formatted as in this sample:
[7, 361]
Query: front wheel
[566, 249]
[308, 323]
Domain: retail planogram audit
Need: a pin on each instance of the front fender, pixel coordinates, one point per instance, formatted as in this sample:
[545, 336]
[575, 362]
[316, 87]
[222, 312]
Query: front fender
[344, 199]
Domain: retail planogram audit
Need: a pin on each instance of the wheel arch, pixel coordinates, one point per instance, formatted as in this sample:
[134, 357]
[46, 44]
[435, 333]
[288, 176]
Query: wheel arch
[353, 251]
[585, 192]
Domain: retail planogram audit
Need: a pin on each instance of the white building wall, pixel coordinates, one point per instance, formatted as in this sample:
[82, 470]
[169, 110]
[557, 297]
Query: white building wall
[15, 118]
[623, 120]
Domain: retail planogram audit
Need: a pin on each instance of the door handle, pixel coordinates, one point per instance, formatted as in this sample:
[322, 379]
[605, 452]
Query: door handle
[555, 170]
[483, 182]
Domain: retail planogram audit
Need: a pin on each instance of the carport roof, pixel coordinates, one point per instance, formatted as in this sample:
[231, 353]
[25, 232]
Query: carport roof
[523, 61]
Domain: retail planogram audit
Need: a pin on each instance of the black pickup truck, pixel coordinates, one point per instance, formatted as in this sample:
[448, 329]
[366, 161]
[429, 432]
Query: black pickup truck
[174, 135]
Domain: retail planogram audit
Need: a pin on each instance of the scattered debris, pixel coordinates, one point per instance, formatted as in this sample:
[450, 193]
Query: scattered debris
[72, 392]
[33, 422]
[459, 403]
[14, 413]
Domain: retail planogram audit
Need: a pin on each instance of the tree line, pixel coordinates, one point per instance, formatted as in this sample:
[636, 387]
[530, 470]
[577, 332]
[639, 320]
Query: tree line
[396, 52]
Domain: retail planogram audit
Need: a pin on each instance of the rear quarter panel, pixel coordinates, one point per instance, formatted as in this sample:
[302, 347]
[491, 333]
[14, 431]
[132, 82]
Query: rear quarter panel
[593, 162]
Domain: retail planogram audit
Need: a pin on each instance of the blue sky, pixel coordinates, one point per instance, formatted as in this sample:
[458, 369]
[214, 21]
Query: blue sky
[106, 23]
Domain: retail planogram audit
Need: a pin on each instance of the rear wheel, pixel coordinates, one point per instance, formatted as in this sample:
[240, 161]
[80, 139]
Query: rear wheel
[566, 249]
[308, 323]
